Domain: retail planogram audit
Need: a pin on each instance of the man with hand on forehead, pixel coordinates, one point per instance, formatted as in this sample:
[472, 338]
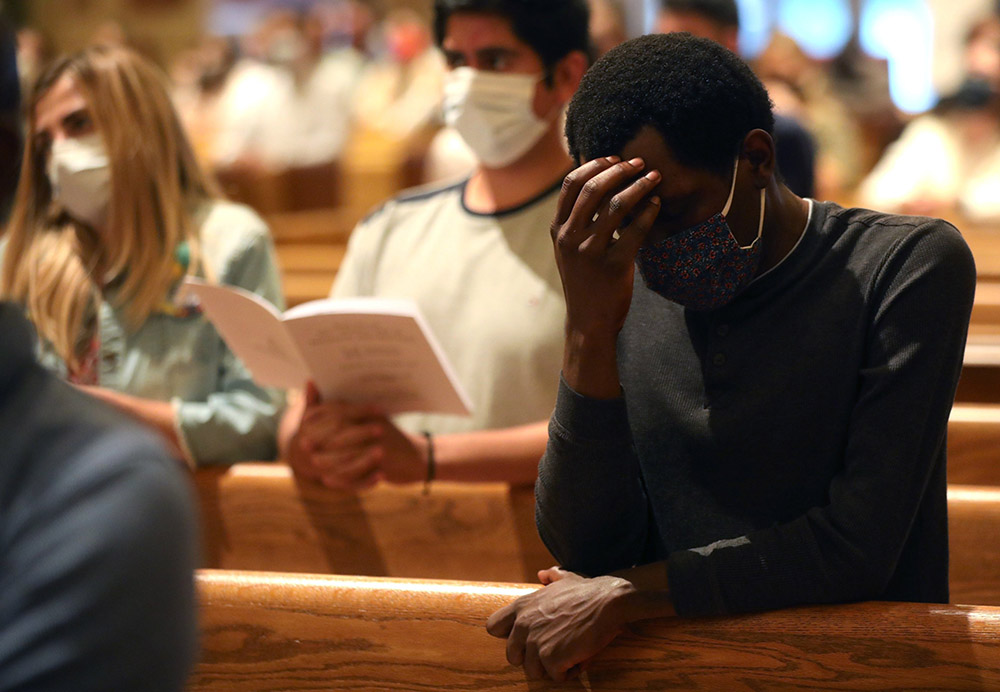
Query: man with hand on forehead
[756, 417]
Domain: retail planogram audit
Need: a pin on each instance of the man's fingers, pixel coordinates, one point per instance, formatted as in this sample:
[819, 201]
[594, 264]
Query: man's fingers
[353, 437]
[516, 642]
[623, 203]
[312, 394]
[552, 574]
[534, 668]
[573, 183]
[500, 622]
[597, 190]
[353, 474]
[631, 237]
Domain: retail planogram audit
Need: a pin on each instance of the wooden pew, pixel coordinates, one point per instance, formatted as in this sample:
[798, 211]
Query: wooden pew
[974, 445]
[310, 246]
[974, 536]
[257, 517]
[270, 632]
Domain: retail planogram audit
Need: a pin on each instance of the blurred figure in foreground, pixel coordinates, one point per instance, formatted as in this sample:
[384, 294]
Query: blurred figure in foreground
[97, 539]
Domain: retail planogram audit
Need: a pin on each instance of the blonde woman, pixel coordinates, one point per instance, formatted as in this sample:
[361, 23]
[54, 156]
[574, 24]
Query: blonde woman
[111, 212]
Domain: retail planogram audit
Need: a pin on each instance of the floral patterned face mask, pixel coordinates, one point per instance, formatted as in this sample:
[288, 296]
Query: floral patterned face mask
[702, 267]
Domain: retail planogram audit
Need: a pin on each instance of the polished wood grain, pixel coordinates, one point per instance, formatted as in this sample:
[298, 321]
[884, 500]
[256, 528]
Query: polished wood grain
[259, 517]
[272, 632]
[974, 444]
[974, 536]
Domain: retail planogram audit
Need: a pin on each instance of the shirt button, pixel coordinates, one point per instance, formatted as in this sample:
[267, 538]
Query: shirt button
[722, 330]
[719, 359]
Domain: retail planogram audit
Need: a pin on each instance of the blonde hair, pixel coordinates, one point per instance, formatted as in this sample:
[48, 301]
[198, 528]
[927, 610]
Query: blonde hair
[51, 261]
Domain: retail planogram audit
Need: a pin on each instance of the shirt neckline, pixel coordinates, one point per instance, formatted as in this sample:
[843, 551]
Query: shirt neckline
[508, 210]
[795, 247]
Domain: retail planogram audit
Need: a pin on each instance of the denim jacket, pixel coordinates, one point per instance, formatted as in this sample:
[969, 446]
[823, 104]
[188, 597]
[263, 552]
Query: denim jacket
[221, 415]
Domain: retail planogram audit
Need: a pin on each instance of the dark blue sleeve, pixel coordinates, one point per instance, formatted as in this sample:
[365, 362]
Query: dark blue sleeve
[10, 85]
[590, 504]
[96, 575]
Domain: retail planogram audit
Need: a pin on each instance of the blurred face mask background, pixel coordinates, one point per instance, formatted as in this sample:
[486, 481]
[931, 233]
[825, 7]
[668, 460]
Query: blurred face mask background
[80, 176]
[493, 113]
[286, 49]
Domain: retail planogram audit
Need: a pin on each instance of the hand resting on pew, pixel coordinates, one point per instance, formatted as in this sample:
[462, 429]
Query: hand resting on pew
[574, 618]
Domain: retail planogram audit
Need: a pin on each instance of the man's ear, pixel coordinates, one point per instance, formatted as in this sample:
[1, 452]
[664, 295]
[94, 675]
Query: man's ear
[758, 149]
[567, 73]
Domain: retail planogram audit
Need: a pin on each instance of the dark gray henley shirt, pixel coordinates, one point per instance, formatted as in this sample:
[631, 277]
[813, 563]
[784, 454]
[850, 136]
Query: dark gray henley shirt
[788, 448]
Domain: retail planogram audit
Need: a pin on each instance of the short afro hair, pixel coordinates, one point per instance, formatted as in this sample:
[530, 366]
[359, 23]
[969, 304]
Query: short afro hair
[553, 28]
[702, 98]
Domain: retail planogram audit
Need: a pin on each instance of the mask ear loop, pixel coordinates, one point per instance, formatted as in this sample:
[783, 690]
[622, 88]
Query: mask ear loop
[729, 202]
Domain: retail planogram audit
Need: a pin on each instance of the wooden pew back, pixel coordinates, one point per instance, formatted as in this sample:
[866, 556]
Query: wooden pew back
[974, 445]
[974, 533]
[272, 632]
[259, 517]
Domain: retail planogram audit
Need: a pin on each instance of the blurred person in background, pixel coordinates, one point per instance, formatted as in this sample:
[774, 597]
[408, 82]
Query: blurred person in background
[947, 161]
[32, 53]
[295, 110]
[607, 25]
[475, 256]
[719, 20]
[201, 80]
[801, 89]
[111, 212]
[399, 93]
[449, 157]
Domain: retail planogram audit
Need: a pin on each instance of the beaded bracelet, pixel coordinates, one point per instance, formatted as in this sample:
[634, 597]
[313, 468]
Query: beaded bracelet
[431, 464]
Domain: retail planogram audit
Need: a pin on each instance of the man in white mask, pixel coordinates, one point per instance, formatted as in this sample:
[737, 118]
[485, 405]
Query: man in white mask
[477, 258]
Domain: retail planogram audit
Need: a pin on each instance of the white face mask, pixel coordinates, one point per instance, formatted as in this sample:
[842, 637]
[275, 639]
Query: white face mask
[80, 176]
[492, 111]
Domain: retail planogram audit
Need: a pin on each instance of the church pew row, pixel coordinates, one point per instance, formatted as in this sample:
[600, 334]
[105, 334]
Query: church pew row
[272, 632]
[974, 445]
[258, 517]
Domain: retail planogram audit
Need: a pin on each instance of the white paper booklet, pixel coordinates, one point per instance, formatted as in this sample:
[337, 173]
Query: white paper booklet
[360, 350]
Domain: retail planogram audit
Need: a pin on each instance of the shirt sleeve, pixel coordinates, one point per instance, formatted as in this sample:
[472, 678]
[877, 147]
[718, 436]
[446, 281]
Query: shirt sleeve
[239, 420]
[356, 274]
[847, 550]
[590, 504]
[96, 575]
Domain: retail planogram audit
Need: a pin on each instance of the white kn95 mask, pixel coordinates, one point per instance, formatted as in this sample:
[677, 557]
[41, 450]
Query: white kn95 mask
[80, 175]
[492, 111]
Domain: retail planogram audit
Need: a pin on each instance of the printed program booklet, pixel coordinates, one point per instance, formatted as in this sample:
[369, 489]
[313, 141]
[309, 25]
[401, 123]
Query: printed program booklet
[360, 350]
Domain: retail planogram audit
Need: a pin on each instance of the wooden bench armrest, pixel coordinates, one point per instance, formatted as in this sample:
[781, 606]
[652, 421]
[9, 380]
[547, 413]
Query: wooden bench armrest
[267, 631]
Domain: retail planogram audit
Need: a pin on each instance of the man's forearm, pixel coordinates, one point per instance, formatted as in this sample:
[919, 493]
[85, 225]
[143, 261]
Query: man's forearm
[590, 364]
[508, 455]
